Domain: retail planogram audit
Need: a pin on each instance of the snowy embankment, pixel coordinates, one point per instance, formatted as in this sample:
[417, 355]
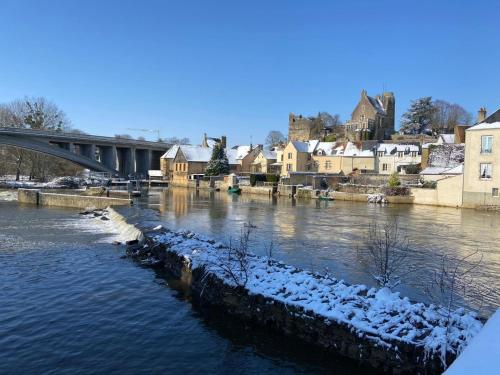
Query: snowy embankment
[378, 315]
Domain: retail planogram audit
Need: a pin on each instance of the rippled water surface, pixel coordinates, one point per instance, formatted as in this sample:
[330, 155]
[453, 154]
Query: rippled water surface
[322, 235]
[69, 303]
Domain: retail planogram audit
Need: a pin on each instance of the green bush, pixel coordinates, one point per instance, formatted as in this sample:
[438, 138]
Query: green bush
[394, 180]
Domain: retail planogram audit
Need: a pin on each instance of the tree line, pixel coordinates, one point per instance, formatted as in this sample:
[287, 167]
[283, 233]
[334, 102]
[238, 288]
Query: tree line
[41, 114]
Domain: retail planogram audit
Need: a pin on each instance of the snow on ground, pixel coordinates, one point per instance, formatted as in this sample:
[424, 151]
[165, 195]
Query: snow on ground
[377, 314]
[482, 354]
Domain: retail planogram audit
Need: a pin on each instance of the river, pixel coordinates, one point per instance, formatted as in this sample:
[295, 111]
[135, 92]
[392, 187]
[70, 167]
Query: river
[70, 302]
[324, 235]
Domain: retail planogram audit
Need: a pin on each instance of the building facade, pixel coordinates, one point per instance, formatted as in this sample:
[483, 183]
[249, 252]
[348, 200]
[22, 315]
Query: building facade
[396, 158]
[372, 118]
[482, 165]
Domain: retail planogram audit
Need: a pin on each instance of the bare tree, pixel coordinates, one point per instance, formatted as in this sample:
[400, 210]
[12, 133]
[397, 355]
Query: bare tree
[274, 138]
[175, 140]
[33, 113]
[329, 120]
[447, 115]
[235, 263]
[385, 253]
[123, 136]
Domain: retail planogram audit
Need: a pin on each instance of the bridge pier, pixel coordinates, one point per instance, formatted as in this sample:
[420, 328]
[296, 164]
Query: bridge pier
[126, 160]
[108, 156]
[142, 162]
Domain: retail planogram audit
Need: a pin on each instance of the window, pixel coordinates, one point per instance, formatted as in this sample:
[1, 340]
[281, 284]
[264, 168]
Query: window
[381, 153]
[281, 157]
[400, 154]
[485, 170]
[289, 155]
[384, 167]
[494, 192]
[328, 164]
[176, 167]
[288, 167]
[414, 153]
[486, 144]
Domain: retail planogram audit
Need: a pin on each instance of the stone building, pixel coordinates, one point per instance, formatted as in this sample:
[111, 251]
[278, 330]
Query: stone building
[304, 128]
[373, 118]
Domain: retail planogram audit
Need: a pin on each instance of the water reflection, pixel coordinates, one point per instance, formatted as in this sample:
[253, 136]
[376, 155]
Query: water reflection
[324, 234]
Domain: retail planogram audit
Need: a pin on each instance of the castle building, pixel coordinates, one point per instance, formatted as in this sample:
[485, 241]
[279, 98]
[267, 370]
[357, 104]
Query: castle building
[373, 118]
[304, 128]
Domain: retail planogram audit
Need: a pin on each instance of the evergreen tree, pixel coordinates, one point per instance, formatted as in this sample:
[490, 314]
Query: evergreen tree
[218, 164]
[418, 118]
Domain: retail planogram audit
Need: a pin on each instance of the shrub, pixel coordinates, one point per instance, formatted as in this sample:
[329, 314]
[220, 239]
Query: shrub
[394, 180]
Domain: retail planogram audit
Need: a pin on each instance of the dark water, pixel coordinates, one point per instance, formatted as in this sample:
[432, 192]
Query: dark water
[69, 303]
[324, 236]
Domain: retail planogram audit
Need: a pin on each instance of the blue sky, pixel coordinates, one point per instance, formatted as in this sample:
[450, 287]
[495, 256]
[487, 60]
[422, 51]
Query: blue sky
[239, 67]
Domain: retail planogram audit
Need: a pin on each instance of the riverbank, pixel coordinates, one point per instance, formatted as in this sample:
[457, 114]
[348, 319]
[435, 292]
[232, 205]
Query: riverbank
[375, 327]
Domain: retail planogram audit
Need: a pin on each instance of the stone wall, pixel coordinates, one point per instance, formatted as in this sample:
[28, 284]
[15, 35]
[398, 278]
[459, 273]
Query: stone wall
[261, 190]
[68, 200]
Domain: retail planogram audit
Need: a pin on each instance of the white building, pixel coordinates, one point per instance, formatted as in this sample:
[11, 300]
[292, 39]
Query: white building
[396, 157]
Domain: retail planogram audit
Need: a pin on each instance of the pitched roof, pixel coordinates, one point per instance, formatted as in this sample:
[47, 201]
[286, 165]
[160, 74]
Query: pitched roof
[196, 153]
[308, 146]
[485, 126]
[170, 154]
[270, 155]
[459, 169]
[447, 138]
[377, 104]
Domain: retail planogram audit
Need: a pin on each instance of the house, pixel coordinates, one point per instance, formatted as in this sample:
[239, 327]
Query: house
[190, 162]
[481, 183]
[396, 157]
[245, 156]
[372, 118]
[266, 162]
[167, 162]
[297, 157]
[342, 157]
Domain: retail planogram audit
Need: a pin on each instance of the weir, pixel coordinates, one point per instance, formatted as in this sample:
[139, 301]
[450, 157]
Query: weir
[372, 326]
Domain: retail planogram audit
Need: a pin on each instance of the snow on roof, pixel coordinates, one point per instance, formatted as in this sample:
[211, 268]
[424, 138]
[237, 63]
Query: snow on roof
[170, 154]
[268, 154]
[485, 126]
[242, 151]
[308, 146]
[391, 148]
[459, 169]
[446, 138]
[232, 156]
[377, 104]
[325, 148]
[196, 153]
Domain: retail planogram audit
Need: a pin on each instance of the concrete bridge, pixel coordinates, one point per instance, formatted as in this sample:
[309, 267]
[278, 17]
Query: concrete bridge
[103, 154]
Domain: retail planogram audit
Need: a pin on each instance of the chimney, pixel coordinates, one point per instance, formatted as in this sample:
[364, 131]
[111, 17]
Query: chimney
[481, 115]
[223, 141]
